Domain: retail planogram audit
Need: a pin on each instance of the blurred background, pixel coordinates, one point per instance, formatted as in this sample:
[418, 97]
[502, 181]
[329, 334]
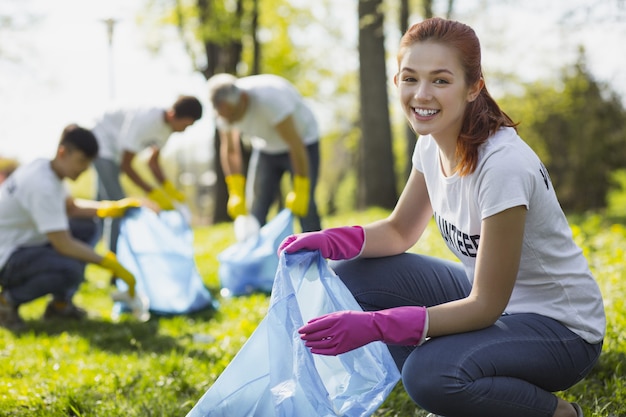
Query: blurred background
[557, 67]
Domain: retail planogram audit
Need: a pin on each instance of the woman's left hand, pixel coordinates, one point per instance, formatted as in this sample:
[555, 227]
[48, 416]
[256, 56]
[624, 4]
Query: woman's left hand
[343, 331]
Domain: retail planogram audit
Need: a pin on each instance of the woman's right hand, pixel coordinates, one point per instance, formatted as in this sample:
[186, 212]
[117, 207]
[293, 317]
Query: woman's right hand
[336, 243]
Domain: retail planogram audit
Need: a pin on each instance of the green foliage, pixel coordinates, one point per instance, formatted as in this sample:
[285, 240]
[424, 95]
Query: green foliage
[617, 196]
[163, 367]
[578, 128]
[210, 21]
[279, 55]
[337, 183]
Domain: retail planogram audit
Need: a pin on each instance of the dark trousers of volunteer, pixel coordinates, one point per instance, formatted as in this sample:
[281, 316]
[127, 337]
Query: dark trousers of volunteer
[265, 173]
[34, 271]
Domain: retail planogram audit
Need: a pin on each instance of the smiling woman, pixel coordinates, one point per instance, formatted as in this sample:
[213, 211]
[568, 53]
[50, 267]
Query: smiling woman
[434, 94]
[514, 320]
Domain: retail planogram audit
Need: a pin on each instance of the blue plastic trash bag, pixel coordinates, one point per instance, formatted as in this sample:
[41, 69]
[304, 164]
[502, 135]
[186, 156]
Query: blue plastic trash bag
[158, 250]
[275, 375]
[250, 265]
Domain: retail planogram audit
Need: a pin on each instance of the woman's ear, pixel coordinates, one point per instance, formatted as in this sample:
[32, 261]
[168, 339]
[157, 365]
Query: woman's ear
[475, 90]
[395, 79]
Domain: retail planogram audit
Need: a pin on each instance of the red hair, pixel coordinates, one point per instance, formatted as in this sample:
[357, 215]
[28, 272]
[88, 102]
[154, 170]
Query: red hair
[483, 117]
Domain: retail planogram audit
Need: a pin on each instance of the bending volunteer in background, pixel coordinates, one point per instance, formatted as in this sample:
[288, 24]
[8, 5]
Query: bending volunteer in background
[122, 134]
[284, 136]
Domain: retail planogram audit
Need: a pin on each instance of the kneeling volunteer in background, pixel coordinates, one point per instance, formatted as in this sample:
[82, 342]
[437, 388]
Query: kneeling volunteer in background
[48, 236]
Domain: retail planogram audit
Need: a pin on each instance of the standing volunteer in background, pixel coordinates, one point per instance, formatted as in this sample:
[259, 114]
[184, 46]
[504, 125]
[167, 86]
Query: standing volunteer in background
[520, 316]
[122, 134]
[284, 136]
[48, 236]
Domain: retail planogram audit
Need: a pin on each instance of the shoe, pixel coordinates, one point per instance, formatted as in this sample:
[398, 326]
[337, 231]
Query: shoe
[579, 411]
[9, 317]
[67, 311]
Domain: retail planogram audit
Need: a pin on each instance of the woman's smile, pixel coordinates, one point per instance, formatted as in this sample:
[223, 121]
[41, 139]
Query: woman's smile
[425, 114]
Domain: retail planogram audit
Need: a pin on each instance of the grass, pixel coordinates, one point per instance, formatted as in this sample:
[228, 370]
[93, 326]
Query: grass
[162, 367]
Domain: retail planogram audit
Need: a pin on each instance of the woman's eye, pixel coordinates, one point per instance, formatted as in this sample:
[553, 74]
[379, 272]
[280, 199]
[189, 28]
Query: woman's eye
[440, 81]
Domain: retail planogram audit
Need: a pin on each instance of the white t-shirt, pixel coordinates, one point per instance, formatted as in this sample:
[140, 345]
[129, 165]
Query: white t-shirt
[32, 203]
[554, 279]
[130, 130]
[270, 100]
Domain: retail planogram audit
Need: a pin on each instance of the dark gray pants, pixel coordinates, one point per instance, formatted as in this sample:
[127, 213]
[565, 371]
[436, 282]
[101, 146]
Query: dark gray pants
[265, 173]
[34, 271]
[508, 369]
[109, 188]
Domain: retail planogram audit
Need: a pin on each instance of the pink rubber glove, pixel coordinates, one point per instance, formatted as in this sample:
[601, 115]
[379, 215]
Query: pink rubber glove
[343, 331]
[337, 243]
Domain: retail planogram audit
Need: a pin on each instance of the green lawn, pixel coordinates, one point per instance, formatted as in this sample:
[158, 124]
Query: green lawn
[162, 367]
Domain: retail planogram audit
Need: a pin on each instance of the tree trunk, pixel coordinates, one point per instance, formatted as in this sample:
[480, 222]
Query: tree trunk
[256, 59]
[409, 135]
[220, 58]
[378, 185]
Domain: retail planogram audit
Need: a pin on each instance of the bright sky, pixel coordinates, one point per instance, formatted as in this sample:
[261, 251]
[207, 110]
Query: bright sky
[57, 71]
[534, 40]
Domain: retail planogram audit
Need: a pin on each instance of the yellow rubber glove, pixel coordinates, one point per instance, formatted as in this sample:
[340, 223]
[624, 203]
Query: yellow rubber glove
[298, 200]
[116, 208]
[110, 262]
[236, 185]
[171, 191]
[163, 200]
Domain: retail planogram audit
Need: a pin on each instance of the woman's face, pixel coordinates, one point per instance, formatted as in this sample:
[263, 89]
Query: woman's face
[433, 91]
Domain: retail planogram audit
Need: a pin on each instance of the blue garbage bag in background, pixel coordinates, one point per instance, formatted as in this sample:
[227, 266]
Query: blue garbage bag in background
[275, 375]
[250, 265]
[158, 250]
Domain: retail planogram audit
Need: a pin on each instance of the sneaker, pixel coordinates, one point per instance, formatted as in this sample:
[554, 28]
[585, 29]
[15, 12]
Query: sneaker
[579, 411]
[9, 317]
[65, 311]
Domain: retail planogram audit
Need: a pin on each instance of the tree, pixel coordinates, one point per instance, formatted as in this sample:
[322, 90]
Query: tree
[378, 185]
[220, 28]
[579, 131]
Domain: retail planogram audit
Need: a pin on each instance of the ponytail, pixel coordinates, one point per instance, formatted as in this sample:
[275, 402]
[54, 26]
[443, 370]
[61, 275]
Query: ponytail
[483, 117]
